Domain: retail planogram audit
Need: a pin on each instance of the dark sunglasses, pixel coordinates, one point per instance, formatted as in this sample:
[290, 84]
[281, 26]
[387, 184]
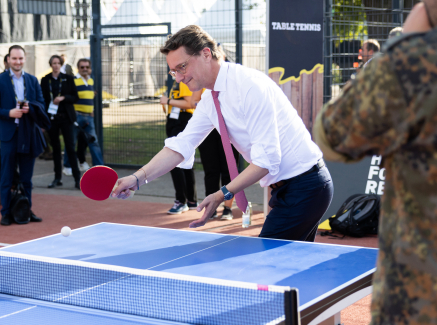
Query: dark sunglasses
[85, 67]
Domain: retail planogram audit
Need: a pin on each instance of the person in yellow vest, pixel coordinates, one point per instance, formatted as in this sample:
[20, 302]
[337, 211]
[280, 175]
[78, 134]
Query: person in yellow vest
[84, 108]
[179, 113]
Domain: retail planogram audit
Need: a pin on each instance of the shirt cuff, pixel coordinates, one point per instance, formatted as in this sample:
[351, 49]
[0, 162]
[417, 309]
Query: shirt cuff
[260, 158]
[185, 149]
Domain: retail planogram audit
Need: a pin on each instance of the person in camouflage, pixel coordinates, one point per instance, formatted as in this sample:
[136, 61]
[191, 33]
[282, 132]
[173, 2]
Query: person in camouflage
[390, 109]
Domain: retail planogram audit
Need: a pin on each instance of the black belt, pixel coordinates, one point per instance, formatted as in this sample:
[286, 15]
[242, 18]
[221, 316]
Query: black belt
[320, 164]
[82, 113]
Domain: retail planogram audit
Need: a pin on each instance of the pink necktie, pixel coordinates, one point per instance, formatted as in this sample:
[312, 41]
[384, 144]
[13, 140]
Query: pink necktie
[240, 197]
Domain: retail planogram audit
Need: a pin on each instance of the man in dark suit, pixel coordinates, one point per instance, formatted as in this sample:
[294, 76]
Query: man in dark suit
[21, 116]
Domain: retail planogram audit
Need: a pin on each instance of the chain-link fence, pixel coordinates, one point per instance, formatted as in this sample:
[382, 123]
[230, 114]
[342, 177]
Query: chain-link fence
[348, 25]
[134, 72]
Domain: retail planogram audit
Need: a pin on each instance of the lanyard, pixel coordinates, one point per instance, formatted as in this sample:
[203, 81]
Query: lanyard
[60, 87]
[24, 86]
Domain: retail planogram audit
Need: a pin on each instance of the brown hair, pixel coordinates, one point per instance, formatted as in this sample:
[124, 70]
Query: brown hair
[194, 39]
[83, 60]
[56, 57]
[16, 47]
[372, 45]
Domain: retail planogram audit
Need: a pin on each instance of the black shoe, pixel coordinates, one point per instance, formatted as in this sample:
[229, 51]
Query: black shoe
[227, 214]
[6, 220]
[77, 185]
[34, 218]
[192, 205]
[56, 182]
[214, 215]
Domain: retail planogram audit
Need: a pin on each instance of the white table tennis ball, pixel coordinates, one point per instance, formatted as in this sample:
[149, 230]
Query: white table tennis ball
[65, 231]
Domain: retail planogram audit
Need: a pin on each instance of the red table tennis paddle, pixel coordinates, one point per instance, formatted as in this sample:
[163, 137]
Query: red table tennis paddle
[98, 182]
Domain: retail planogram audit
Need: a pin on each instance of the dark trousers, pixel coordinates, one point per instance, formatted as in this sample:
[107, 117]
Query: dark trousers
[183, 179]
[81, 147]
[298, 206]
[66, 127]
[9, 160]
[214, 162]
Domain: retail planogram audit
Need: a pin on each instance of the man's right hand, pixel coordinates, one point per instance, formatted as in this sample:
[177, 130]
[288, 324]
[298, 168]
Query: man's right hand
[16, 113]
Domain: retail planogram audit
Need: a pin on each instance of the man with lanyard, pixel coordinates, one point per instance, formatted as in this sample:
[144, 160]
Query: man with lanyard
[60, 93]
[84, 108]
[249, 109]
[21, 108]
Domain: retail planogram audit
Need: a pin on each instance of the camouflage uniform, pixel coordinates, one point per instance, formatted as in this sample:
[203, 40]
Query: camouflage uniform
[390, 109]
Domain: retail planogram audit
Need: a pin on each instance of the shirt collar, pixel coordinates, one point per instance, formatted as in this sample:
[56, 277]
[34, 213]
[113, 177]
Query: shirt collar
[83, 78]
[220, 82]
[13, 74]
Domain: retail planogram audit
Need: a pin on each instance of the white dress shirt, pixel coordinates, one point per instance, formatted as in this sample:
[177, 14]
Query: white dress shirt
[261, 122]
[19, 88]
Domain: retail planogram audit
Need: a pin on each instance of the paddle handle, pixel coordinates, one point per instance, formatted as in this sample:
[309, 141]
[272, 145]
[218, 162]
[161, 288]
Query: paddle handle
[130, 194]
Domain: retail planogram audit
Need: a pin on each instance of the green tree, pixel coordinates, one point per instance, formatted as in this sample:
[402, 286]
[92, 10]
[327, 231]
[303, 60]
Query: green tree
[349, 20]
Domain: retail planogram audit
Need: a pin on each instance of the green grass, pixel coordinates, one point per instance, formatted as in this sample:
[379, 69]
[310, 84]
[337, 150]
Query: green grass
[135, 144]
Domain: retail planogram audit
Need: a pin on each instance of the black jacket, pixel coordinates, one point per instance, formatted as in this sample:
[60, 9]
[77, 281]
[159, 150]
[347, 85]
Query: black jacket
[68, 90]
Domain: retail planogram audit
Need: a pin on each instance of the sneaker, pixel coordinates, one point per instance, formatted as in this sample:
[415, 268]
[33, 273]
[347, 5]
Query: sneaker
[67, 171]
[214, 215]
[178, 208]
[227, 214]
[84, 167]
[192, 206]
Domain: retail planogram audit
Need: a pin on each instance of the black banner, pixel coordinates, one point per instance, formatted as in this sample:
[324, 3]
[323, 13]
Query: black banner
[295, 36]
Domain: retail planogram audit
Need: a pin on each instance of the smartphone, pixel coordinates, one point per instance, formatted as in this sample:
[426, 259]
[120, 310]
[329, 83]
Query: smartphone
[22, 103]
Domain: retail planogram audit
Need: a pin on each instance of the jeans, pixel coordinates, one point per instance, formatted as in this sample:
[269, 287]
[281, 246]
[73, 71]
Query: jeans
[298, 206]
[86, 122]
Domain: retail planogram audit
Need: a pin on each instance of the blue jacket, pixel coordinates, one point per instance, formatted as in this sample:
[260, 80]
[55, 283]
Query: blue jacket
[30, 139]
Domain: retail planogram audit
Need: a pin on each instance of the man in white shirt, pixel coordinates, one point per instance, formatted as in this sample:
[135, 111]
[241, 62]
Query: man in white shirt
[262, 125]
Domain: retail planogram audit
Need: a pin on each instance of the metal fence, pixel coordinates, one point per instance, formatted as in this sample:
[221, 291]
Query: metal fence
[134, 72]
[349, 23]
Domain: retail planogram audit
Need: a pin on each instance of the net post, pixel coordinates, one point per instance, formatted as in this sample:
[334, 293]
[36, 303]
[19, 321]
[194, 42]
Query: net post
[291, 306]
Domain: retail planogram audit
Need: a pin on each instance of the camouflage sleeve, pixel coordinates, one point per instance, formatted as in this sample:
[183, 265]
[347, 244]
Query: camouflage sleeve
[369, 118]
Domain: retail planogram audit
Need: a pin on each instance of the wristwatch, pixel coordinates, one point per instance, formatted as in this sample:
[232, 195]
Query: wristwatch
[228, 195]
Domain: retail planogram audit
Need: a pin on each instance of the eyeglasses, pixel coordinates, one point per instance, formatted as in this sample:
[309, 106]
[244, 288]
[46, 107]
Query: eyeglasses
[85, 67]
[181, 69]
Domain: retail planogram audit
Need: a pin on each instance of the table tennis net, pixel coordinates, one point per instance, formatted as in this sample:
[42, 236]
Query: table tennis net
[152, 294]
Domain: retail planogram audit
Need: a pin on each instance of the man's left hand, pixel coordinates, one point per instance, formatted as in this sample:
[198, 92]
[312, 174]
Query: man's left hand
[58, 99]
[25, 108]
[210, 204]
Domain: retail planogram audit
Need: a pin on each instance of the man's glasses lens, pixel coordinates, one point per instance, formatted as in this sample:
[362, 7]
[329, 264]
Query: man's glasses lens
[182, 69]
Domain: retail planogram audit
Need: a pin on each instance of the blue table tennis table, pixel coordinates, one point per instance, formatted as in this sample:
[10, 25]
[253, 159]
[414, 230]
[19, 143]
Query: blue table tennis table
[328, 277]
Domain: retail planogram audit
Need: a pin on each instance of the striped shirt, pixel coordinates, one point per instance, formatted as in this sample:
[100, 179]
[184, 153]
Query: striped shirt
[85, 90]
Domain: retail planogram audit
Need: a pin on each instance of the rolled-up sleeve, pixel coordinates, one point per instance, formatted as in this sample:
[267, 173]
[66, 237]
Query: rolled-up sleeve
[262, 125]
[188, 140]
